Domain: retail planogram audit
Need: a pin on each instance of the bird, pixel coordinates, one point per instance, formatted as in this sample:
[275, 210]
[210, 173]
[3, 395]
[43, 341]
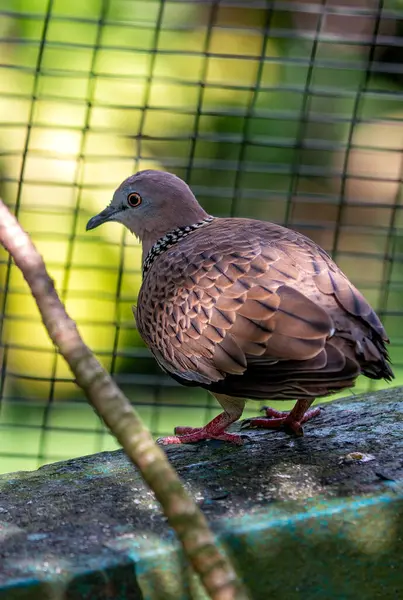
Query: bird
[244, 308]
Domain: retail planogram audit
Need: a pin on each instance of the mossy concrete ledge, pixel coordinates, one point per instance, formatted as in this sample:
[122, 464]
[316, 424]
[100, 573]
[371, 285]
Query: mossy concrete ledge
[318, 517]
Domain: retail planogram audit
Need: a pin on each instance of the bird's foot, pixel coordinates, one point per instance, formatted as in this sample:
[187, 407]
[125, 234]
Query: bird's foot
[275, 419]
[189, 435]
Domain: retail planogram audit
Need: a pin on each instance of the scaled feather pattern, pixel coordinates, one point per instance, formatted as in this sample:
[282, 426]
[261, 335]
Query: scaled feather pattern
[253, 309]
[243, 308]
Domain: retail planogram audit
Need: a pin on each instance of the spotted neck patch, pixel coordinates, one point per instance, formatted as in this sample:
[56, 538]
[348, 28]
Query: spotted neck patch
[170, 239]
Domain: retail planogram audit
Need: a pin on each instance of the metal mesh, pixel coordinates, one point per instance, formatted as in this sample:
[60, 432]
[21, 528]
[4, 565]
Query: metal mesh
[284, 111]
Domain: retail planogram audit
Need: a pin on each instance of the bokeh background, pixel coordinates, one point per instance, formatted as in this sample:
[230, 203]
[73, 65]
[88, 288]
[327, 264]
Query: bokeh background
[285, 111]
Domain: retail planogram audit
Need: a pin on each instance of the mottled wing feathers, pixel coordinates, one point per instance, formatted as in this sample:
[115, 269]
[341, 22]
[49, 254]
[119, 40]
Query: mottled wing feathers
[335, 283]
[329, 279]
[357, 325]
[206, 307]
[241, 297]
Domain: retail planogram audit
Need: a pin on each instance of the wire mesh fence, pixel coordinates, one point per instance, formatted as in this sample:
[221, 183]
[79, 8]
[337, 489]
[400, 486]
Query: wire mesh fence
[284, 111]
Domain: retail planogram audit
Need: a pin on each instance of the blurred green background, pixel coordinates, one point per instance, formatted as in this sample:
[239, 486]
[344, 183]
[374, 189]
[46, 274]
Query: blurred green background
[285, 111]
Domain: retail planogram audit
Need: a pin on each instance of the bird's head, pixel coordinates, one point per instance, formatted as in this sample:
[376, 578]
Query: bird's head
[151, 203]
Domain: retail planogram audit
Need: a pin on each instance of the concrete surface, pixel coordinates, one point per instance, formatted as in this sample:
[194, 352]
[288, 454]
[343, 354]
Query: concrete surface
[318, 517]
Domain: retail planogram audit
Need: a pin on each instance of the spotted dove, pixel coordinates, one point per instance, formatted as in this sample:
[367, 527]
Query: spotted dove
[243, 308]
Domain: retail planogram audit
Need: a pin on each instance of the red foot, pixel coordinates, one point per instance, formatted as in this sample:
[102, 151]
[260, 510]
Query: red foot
[275, 420]
[215, 430]
[189, 435]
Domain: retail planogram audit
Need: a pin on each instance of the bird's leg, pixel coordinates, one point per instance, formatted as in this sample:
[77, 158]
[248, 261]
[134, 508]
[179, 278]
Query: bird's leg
[291, 421]
[215, 430]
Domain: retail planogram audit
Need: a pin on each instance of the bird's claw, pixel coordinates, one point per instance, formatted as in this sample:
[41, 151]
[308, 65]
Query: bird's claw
[275, 419]
[271, 413]
[190, 435]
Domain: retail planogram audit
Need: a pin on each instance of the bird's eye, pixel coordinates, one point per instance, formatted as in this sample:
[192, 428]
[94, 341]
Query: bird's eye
[134, 199]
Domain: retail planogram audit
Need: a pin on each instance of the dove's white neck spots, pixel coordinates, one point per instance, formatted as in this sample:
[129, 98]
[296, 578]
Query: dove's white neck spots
[170, 239]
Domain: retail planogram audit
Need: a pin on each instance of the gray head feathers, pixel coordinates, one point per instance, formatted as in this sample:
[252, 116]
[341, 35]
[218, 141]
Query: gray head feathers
[150, 204]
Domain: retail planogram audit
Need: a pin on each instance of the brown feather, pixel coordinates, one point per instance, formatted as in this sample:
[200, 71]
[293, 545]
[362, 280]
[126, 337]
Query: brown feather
[252, 309]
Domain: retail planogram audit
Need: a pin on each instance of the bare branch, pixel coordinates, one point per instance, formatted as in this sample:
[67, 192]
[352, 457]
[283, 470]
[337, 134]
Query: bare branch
[213, 567]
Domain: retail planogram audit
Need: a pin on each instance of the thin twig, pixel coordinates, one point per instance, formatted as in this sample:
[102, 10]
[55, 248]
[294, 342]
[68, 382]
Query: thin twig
[213, 567]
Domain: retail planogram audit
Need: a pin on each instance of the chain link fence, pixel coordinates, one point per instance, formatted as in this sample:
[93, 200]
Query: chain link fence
[284, 111]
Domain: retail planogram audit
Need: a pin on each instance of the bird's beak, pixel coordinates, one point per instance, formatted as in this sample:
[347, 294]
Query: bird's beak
[104, 216]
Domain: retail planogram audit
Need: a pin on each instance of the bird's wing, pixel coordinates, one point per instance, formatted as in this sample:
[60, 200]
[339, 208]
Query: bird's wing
[329, 279]
[224, 297]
